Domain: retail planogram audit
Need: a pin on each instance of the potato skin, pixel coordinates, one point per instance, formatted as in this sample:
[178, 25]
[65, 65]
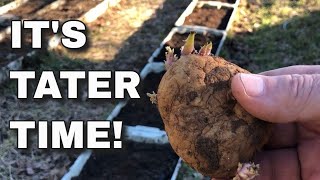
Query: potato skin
[206, 126]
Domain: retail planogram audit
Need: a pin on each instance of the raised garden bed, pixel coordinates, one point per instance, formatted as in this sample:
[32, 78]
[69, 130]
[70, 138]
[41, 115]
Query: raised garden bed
[209, 16]
[57, 10]
[140, 151]
[27, 9]
[52, 10]
[133, 161]
[141, 111]
[128, 45]
[66, 10]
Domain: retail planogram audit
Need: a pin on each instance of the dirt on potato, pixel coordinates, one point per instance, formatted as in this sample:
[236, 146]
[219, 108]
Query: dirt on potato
[206, 126]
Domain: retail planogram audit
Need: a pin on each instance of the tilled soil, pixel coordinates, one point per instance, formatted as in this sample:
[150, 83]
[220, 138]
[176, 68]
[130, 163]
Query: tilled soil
[29, 8]
[68, 9]
[141, 111]
[209, 16]
[42, 9]
[24, 11]
[133, 161]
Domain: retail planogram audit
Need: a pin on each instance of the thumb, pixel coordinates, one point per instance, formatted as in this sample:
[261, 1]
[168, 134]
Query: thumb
[280, 99]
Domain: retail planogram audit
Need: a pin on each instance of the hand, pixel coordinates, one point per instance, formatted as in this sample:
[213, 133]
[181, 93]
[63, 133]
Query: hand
[289, 97]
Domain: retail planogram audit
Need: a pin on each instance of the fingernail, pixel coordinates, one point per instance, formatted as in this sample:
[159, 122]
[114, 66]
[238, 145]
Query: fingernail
[253, 84]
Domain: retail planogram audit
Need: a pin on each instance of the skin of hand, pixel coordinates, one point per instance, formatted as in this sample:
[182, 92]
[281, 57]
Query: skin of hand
[290, 98]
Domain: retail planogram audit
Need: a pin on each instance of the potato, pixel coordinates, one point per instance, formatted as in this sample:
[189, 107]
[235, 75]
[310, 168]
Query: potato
[206, 126]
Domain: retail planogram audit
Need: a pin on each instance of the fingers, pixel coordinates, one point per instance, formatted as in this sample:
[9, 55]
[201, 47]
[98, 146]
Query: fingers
[300, 69]
[281, 99]
[309, 158]
[279, 164]
[283, 136]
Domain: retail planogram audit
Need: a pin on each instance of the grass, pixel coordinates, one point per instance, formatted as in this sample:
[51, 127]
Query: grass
[186, 173]
[5, 150]
[4, 2]
[52, 61]
[271, 35]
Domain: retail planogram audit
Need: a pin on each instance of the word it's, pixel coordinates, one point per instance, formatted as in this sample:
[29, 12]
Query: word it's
[73, 32]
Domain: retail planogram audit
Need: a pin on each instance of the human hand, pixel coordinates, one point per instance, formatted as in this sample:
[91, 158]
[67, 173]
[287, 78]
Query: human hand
[289, 97]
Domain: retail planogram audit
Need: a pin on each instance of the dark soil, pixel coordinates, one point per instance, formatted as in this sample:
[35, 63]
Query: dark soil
[27, 9]
[209, 16]
[238, 50]
[71, 9]
[177, 41]
[133, 161]
[141, 111]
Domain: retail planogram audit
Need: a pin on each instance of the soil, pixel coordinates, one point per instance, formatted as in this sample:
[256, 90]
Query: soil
[29, 8]
[141, 111]
[133, 161]
[238, 50]
[26, 10]
[129, 44]
[34, 163]
[71, 9]
[68, 9]
[209, 16]
[177, 41]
